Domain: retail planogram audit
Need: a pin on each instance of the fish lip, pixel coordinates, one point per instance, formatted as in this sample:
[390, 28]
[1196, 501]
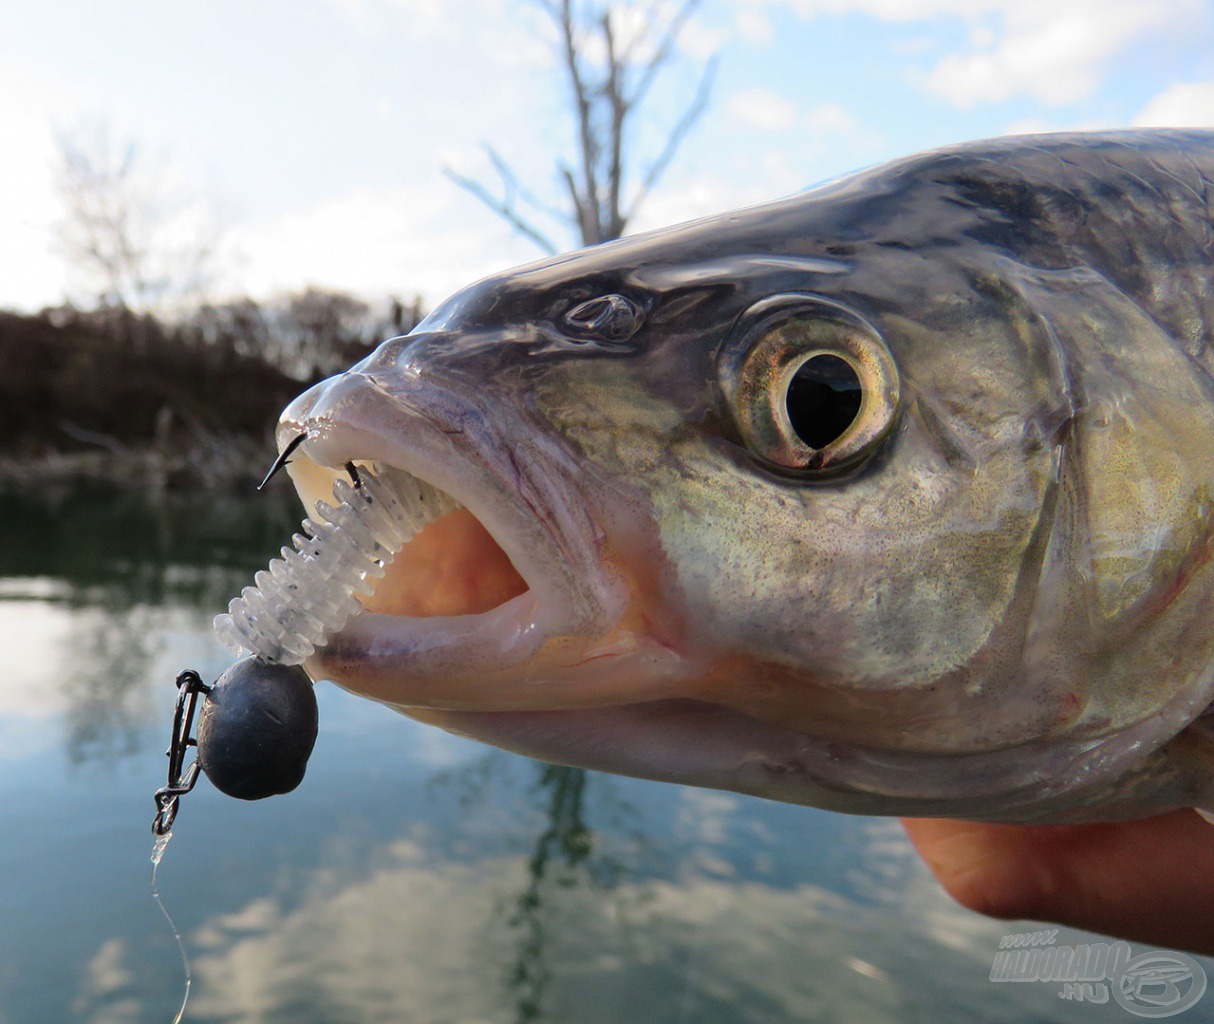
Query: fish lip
[529, 498]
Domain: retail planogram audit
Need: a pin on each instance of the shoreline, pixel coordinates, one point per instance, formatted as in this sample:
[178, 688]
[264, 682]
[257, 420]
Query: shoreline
[213, 462]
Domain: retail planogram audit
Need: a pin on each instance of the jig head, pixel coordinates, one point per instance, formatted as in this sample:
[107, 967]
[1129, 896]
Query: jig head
[256, 731]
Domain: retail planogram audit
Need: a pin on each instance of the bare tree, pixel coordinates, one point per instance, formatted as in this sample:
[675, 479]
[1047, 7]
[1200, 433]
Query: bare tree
[315, 329]
[609, 70]
[131, 237]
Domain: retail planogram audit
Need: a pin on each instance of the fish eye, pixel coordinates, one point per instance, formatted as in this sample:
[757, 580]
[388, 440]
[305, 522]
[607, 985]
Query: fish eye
[608, 318]
[811, 385]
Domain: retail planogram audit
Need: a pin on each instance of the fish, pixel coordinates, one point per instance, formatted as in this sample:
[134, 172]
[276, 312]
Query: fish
[893, 496]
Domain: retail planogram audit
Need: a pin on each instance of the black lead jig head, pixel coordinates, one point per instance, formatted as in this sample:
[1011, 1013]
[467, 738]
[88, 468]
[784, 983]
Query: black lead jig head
[257, 729]
[255, 734]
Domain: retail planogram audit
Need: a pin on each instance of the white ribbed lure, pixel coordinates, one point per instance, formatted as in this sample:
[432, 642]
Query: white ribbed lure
[307, 595]
[258, 722]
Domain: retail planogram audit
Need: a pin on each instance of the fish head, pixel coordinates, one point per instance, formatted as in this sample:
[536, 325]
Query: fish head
[771, 502]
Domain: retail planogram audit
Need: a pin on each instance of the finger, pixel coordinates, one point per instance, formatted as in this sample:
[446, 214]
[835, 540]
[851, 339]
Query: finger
[991, 869]
[1150, 880]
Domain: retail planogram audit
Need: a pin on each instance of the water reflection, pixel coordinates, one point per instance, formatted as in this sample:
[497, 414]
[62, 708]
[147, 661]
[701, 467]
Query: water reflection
[419, 939]
[567, 853]
[97, 589]
[569, 843]
[103, 684]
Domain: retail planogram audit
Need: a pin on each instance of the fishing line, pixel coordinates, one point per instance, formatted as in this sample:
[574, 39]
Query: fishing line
[157, 854]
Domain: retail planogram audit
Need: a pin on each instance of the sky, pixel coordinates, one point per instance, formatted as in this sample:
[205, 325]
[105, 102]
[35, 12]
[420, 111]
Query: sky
[308, 139]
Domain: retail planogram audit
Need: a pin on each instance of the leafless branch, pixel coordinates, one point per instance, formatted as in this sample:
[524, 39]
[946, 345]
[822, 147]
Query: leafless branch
[502, 208]
[692, 114]
[514, 187]
[605, 94]
[662, 52]
[613, 223]
[588, 144]
[124, 229]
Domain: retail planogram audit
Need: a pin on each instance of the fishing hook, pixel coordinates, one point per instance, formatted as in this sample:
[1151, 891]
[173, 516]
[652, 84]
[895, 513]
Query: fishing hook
[283, 458]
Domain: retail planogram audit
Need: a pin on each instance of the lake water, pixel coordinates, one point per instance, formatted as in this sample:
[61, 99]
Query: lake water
[414, 876]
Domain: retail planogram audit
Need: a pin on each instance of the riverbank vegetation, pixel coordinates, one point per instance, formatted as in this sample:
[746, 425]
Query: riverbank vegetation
[137, 399]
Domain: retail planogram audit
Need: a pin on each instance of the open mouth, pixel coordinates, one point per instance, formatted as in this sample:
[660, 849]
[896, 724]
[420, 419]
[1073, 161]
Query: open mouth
[452, 567]
[492, 599]
[386, 543]
[449, 565]
[477, 590]
[467, 560]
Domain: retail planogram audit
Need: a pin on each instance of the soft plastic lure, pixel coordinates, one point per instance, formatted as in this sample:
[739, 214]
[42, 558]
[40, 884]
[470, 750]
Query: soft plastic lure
[308, 594]
[258, 723]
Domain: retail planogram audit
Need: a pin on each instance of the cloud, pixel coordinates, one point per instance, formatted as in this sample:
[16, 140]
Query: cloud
[1186, 104]
[110, 991]
[426, 17]
[29, 207]
[703, 195]
[830, 117]
[513, 37]
[753, 26]
[763, 109]
[683, 200]
[401, 240]
[431, 939]
[1039, 125]
[169, 214]
[825, 137]
[700, 42]
[1055, 52]
[34, 629]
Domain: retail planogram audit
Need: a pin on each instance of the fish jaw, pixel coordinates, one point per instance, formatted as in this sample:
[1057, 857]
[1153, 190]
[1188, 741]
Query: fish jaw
[703, 744]
[573, 631]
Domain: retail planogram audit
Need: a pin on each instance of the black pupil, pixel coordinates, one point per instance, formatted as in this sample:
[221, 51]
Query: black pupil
[823, 399]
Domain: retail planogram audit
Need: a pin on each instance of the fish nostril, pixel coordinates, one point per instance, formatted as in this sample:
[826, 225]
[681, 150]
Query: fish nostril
[608, 318]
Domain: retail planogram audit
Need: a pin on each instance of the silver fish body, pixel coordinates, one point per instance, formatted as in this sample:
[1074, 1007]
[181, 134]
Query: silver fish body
[981, 590]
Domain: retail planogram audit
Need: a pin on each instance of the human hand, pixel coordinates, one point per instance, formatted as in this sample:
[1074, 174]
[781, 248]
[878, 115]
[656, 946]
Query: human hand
[1150, 880]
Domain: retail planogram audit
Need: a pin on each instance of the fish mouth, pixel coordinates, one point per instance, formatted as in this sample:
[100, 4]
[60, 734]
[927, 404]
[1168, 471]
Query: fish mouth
[517, 600]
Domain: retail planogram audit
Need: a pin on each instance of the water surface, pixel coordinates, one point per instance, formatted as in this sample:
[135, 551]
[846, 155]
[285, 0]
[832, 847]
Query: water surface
[414, 876]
